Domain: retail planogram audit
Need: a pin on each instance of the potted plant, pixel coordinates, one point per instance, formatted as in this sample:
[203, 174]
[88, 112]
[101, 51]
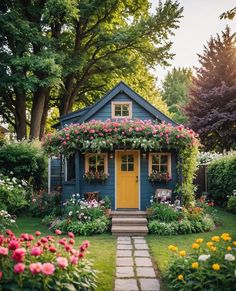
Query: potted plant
[95, 177]
[156, 176]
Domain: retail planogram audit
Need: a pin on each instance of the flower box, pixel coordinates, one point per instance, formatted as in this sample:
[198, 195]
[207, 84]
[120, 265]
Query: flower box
[159, 177]
[95, 177]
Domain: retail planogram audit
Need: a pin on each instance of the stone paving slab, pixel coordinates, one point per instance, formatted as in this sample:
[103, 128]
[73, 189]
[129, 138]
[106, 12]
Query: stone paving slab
[141, 253]
[124, 247]
[126, 262]
[126, 285]
[120, 238]
[124, 242]
[145, 272]
[149, 284]
[125, 272]
[140, 241]
[134, 237]
[141, 246]
[143, 262]
[124, 253]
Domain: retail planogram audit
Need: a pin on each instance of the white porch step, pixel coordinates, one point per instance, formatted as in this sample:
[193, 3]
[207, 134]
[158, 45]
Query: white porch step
[128, 213]
[129, 230]
[129, 220]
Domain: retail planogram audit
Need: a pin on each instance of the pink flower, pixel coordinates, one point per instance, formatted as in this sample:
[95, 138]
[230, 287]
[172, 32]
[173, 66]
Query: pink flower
[13, 245]
[72, 241]
[19, 254]
[0, 276]
[71, 235]
[35, 268]
[3, 251]
[37, 233]
[48, 268]
[86, 243]
[74, 260]
[62, 262]
[36, 251]
[44, 240]
[19, 268]
[57, 231]
[52, 249]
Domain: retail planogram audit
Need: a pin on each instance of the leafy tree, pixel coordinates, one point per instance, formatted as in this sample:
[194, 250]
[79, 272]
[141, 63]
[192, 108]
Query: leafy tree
[212, 106]
[175, 89]
[62, 52]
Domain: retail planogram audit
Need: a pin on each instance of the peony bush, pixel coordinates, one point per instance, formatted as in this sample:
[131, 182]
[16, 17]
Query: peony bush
[211, 265]
[44, 263]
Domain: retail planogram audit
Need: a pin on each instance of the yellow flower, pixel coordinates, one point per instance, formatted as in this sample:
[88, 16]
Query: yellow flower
[210, 244]
[215, 238]
[199, 240]
[229, 248]
[172, 248]
[216, 267]
[213, 248]
[181, 277]
[182, 253]
[234, 243]
[225, 237]
[195, 265]
[195, 246]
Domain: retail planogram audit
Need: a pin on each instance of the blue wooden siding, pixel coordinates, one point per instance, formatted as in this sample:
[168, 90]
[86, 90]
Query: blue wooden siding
[137, 110]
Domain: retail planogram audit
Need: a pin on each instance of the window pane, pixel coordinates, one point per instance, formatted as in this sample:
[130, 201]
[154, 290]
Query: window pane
[92, 160]
[100, 160]
[124, 167]
[155, 168]
[164, 159]
[125, 113]
[124, 159]
[92, 168]
[130, 167]
[155, 159]
[100, 168]
[130, 158]
[164, 168]
[118, 110]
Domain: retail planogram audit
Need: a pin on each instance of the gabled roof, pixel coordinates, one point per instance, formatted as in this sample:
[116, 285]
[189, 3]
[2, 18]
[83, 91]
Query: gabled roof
[84, 114]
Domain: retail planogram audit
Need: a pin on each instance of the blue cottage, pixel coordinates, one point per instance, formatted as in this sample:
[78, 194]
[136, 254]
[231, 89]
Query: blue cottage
[128, 185]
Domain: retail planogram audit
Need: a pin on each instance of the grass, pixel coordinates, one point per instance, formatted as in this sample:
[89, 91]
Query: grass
[102, 250]
[159, 244]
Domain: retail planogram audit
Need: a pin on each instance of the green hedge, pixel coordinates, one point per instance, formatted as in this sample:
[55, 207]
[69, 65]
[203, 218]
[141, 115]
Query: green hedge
[222, 178]
[26, 160]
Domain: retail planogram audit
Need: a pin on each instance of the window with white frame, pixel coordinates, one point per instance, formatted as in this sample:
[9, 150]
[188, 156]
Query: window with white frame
[96, 163]
[160, 162]
[121, 110]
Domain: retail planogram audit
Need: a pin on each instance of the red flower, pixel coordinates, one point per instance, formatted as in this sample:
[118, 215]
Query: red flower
[86, 243]
[13, 245]
[9, 232]
[44, 240]
[71, 235]
[0, 276]
[72, 241]
[81, 255]
[19, 255]
[52, 249]
[57, 231]
[19, 268]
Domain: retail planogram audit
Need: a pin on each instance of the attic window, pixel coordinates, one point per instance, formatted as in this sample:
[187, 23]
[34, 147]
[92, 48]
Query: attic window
[121, 110]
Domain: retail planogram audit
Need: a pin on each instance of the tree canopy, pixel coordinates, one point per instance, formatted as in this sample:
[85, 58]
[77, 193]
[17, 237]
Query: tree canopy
[175, 92]
[212, 107]
[58, 53]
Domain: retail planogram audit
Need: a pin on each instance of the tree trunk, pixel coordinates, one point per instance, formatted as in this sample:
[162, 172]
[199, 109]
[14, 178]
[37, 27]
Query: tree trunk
[37, 112]
[64, 107]
[20, 114]
[44, 115]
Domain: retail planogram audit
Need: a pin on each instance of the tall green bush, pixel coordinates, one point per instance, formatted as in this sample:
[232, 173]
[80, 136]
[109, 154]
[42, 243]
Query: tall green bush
[26, 160]
[222, 178]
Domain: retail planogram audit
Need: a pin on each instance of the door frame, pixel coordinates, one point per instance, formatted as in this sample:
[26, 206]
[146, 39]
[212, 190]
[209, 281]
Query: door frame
[139, 182]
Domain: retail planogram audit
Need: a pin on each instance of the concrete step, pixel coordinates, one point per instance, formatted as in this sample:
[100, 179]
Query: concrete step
[129, 230]
[128, 213]
[129, 221]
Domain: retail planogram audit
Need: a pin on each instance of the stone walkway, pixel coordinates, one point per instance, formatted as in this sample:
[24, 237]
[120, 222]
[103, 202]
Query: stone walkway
[134, 269]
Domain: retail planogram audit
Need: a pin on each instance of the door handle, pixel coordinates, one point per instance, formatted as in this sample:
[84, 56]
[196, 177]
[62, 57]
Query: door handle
[136, 179]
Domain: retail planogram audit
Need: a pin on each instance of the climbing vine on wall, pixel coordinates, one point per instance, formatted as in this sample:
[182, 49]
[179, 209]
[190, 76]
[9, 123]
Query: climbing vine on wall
[98, 136]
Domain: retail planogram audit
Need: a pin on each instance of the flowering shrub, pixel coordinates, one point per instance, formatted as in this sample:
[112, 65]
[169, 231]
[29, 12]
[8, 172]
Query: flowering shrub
[81, 217]
[92, 177]
[211, 265]
[97, 136]
[12, 194]
[156, 176]
[231, 204]
[44, 263]
[6, 220]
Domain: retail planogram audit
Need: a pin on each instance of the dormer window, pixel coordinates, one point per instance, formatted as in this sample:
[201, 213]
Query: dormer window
[121, 110]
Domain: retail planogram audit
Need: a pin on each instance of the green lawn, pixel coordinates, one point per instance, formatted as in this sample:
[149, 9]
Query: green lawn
[159, 244]
[102, 250]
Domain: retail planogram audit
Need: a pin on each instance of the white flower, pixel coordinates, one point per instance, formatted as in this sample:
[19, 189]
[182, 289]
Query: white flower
[203, 258]
[70, 213]
[229, 257]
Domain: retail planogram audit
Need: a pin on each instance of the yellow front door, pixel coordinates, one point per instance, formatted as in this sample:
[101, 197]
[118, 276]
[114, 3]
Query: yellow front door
[127, 179]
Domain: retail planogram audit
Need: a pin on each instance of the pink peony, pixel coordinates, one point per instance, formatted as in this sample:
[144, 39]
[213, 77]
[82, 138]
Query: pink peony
[19, 268]
[3, 251]
[48, 268]
[13, 245]
[57, 231]
[72, 241]
[37, 233]
[35, 268]
[62, 262]
[71, 235]
[44, 240]
[74, 260]
[19, 255]
[86, 243]
[36, 251]
[52, 249]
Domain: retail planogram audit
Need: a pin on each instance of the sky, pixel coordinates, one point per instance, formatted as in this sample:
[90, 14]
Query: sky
[200, 21]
